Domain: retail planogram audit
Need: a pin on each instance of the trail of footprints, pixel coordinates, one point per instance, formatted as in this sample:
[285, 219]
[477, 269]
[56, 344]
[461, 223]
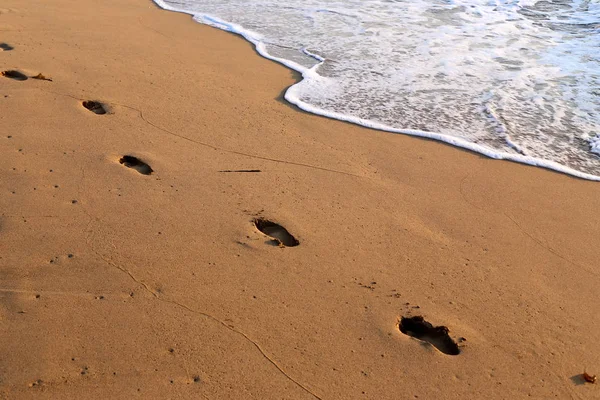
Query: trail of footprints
[414, 326]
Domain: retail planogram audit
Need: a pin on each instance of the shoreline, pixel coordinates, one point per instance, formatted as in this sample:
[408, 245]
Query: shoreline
[305, 73]
[119, 284]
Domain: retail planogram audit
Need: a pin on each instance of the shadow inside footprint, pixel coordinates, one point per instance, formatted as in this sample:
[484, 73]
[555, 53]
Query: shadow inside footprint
[137, 164]
[438, 336]
[578, 379]
[276, 231]
[16, 75]
[5, 47]
[94, 106]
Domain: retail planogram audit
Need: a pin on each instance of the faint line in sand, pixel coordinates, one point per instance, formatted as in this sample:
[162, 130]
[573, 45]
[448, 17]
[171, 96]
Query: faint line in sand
[111, 263]
[35, 216]
[529, 235]
[235, 151]
[216, 147]
[551, 250]
[45, 292]
[210, 317]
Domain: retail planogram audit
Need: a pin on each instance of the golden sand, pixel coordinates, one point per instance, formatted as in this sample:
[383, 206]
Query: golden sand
[120, 284]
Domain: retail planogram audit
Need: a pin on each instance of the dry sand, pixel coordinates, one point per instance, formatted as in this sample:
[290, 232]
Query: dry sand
[115, 284]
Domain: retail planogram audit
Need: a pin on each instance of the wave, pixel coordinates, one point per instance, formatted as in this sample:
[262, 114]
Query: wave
[313, 80]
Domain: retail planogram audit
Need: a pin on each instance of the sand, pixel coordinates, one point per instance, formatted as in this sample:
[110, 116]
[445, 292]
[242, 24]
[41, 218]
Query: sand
[116, 284]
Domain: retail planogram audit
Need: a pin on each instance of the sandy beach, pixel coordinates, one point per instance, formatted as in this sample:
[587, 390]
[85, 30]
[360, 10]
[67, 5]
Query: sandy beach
[116, 284]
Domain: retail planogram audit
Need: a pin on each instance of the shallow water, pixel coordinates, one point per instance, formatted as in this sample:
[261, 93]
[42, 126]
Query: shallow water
[513, 79]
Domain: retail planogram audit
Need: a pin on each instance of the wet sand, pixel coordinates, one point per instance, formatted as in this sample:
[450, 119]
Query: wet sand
[131, 265]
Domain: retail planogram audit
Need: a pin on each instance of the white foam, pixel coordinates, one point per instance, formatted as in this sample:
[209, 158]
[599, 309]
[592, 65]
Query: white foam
[595, 145]
[475, 74]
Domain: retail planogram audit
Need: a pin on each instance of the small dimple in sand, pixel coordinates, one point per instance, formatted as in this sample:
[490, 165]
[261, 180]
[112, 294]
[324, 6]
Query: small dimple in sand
[38, 382]
[94, 106]
[438, 336]
[276, 231]
[137, 164]
[16, 75]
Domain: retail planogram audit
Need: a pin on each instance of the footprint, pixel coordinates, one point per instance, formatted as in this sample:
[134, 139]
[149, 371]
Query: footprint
[95, 107]
[276, 231]
[438, 336]
[137, 164]
[16, 75]
[5, 47]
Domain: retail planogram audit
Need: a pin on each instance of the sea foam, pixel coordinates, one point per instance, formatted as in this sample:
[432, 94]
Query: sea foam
[511, 79]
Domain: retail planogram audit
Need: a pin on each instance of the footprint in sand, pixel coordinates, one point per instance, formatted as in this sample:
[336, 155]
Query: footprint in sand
[16, 75]
[5, 47]
[276, 231]
[437, 336]
[94, 106]
[137, 164]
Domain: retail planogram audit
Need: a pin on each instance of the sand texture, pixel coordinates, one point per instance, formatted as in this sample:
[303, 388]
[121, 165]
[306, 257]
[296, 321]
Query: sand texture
[146, 277]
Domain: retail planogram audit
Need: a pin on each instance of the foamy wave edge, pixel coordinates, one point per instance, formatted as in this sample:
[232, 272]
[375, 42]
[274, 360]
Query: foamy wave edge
[311, 73]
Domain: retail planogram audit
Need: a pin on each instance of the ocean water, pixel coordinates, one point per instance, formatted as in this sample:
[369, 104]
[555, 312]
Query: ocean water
[511, 79]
